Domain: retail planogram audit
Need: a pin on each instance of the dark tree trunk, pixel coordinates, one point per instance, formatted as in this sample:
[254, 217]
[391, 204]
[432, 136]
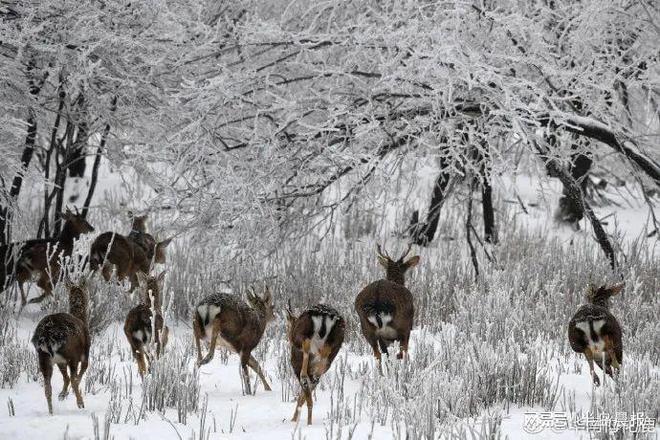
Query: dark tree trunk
[489, 215]
[78, 151]
[571, 211]
[574, 191]
[423, 233]
[97, 162]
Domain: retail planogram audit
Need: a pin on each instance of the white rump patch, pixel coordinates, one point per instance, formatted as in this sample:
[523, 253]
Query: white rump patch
[318, 341]
[385, 318]
[598, 325]
[208, 312]
[596, 347]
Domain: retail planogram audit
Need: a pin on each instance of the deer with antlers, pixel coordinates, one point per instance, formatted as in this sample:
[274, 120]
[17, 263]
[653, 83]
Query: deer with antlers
[63, 339]
[43, 259]
[226, 320]
[315, 338]
[386, 308]
[596, 333]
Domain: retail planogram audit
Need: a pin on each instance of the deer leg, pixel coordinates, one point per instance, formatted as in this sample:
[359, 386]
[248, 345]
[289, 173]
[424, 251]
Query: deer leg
[310, 404]
[46, 368]
[65, 378]
[609, 348]
[139, 358]
[305, 381]
[212, 344]
[244, 370]
[75, 383]
[301, 399]
[252, 363]
[161, 341]
[590, 359]
[404, 346]
[197, 334]
[23, 294]
[377, 354]
[106, 271]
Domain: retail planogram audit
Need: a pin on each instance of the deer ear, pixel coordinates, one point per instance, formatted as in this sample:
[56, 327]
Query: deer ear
[268, 297]
[164, 243]
[412, 262]
[616, 289]
[383, 261]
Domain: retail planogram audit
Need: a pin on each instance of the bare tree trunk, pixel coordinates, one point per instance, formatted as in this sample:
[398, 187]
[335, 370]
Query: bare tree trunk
[26, 158]
[423, 233]
[574, 191]
[97, 162]
[490, 235]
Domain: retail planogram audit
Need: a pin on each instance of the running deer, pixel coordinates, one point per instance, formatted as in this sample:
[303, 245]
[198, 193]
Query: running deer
[10, 253]
[144, 325]
[386, 308]
[63, 339]
[113, 249]
[315, 337]
[226, 320]
[42, 259]
[596, 333]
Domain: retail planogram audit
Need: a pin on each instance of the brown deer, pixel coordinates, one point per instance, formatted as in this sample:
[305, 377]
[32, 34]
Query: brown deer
[142, 238]
[144, 325]
[42, 259]
[112, 249]
[596, 333]
[386, 308]
[62, 339]
[227, 320]
[315, 337]
[10, 253]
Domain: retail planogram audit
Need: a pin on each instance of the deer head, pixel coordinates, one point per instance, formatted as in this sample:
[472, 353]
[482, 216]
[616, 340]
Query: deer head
[396, 269]
[263, 305]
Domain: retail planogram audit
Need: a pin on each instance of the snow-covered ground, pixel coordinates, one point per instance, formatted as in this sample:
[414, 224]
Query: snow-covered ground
[347, 403]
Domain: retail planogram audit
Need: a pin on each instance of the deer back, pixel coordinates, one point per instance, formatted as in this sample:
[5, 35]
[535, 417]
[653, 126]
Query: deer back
[111, 247]
[241, 325]
[388, 302]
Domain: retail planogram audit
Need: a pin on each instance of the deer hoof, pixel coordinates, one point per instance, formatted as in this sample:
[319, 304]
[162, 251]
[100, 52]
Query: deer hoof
[81, 405]
[62, 395]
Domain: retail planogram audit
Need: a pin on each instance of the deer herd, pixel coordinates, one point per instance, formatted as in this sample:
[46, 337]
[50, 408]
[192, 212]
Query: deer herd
[385, 309]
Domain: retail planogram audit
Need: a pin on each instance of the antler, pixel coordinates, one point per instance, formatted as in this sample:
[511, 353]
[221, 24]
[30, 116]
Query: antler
[380, 252]
[406, 252]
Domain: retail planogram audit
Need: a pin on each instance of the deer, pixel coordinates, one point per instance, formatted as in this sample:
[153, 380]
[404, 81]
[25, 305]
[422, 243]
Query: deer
[144, 325]
[42, 259]
[386, 308]
[315, 338]
[143, 239]
[227, 320]
[63, 339]
[10, 253]
[596, 333]
[113, 249]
